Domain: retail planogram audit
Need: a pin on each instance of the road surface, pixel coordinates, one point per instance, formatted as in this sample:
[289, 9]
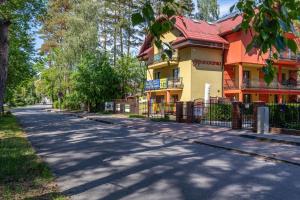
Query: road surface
[93, 161]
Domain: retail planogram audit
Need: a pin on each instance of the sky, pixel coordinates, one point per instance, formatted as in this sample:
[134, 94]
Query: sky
[224, 9]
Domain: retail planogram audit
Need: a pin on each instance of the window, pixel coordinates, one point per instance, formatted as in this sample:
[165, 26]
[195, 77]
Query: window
[157, 75]
[176, 73]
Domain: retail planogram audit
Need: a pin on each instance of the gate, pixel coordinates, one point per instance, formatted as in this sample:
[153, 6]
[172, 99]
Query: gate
[158, 110]
[216, 112]
[247, 115]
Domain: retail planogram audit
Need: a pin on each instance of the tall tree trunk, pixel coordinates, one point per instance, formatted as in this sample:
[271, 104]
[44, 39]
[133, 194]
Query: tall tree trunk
[3, 60]
[115, 38]
[121, 41]
[129, 33]
[105, 29]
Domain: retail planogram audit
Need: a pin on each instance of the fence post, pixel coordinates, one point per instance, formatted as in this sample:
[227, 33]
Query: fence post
[236, 115]
[114, 106]
[189, 111]
[256, 104]
[179, 111]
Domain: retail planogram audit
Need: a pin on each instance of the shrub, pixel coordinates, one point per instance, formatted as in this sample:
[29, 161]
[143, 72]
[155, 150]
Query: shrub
[56, 104]
[136, 116]
[220, 112]
[71, 102]
[285, 115]
[161, 119]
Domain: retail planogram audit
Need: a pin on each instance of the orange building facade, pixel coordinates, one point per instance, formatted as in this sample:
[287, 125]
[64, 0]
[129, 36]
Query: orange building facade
[244, 79]
[241, 71]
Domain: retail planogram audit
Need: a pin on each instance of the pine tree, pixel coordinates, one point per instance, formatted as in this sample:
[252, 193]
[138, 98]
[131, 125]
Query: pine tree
[54, 24]
[208, 10]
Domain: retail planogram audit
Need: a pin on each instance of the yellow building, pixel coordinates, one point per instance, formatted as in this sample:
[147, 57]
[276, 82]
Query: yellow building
[214, 55]
[183, 77]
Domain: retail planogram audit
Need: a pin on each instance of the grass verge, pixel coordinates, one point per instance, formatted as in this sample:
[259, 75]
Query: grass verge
[136, 116]
[23, 175]
[161, 119]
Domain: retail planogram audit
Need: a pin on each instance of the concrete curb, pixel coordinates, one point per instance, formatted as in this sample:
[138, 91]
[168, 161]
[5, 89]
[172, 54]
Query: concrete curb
[210, 144]
[248, 153]
[272, 140]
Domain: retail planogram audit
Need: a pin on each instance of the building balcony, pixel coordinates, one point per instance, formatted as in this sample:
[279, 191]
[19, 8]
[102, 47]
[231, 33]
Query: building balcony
[157, 62]
[289, 56]
[290, 84]
[164, 84]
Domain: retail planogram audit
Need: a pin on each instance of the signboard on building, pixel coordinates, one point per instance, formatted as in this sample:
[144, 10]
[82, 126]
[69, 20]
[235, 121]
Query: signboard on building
[153, 84]
[163, 83]
[207, 65]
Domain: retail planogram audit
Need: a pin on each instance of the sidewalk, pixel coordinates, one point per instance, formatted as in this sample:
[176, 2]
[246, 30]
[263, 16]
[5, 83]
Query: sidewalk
[283, 148]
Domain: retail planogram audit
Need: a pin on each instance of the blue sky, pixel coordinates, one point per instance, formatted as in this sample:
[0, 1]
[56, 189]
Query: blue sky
[224, 9]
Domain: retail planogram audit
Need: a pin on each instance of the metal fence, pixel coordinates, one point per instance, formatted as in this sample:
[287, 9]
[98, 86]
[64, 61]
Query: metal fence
[214, 112]
[157, 110]
[285, 115]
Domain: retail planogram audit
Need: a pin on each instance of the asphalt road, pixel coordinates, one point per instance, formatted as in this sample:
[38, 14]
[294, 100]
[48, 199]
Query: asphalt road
[99, 161]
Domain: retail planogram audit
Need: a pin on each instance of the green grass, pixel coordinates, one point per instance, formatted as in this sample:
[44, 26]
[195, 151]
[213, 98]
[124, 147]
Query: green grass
[136, 116]
[161, 119]
[22, 173]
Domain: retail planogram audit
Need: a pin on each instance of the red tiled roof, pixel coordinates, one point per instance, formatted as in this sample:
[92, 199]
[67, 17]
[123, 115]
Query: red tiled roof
[228, 25]
[199, 30]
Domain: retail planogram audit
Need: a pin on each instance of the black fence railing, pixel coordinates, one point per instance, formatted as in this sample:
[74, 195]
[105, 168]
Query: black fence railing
[157, 110]
[285, 115]
[213, 112]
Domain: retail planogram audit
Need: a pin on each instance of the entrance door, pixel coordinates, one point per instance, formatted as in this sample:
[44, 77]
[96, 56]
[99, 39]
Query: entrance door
[246, 79]
[160, 98]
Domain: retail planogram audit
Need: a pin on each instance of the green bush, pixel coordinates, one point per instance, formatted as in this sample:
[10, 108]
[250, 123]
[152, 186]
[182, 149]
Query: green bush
[136, 116]
[56, 104]
[220, 112]
[71, 102]
[161, 119]
[285, 116]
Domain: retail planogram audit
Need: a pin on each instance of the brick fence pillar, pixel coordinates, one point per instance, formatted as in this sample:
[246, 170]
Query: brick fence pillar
[189, 111]
[236, 115]
[256, 104]
[179, 111]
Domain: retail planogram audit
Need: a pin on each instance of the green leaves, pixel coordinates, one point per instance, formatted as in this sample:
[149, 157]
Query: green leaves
[136, 19]
[269, 72]
[270, 22]
[292, 45]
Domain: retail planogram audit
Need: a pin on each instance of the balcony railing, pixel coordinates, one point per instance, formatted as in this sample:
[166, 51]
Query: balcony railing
[289, 55]
[164, 83]
[290, 84]
[157, 59]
